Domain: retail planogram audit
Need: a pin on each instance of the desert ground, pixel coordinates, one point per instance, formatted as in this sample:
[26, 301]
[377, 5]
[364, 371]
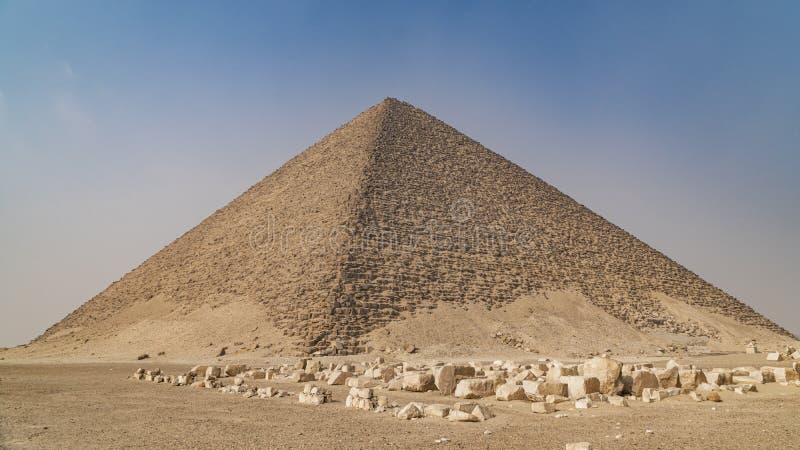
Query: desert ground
[99, 405]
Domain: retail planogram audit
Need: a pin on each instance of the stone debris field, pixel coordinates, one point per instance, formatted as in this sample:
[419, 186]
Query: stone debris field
[549, 386]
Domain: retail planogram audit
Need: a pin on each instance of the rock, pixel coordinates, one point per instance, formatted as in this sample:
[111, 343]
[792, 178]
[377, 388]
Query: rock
[222, 352]
[578, 387]
[436, 410]
[668, 378]
[361, 392]
[313, 366]
[543, 407]
[751, 348]
[785, 375]
[607, 371]
[384, 374]
[198, 385]
[461, 416]
[650, 395]
[713, 397]
[232, 370]
[559, 370]
[796, 355]
[418, 382]
[696, 397]
[213, 372]
[764, 375]
[266, 392]
[583, 403]
[547, 388]
[690, 378]
[300, 376]
[531, 390]
[142, 356]
[411, 411]
[464, 371]
[507, 392]
[338, 378]
[579, 446]
[642, 379]
[238, 381]
[775, 356]
[482, 413]
[444, 377]
[314, 395]
[464, 406]
[363, 381]
[555, 399]
[719, 377]
[474, 388]
[198, 371]
[617, 400]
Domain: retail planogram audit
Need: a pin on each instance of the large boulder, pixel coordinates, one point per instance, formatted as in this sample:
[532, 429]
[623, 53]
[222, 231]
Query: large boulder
[642, 379]
[559, 370]
[474, 388]
[579, 387]
[411, 411]
[444, 378]
[507, 392]
[418, 382]
[607, 371]
[338, 377]
[668, 378]
[690, 377]
[785, 375]
[231, 370]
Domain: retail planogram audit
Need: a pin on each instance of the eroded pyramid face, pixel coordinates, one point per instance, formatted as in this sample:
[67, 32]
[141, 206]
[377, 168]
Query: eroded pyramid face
[393, 214]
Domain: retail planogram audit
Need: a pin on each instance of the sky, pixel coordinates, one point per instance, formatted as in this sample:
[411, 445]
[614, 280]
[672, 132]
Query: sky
[123, 124]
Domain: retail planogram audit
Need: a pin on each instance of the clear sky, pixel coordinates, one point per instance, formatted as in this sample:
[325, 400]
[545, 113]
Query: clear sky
[125, 123]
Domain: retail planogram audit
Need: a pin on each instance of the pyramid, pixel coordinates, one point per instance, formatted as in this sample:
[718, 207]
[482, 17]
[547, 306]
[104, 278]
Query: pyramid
[393, 215]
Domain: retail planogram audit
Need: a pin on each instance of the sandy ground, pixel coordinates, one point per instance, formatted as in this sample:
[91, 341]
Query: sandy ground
[96, 406]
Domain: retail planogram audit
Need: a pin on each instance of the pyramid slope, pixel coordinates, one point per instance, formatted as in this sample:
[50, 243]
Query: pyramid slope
[392, 214]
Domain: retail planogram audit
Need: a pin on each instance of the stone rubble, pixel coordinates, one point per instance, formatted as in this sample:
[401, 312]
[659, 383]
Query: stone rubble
[547, 385]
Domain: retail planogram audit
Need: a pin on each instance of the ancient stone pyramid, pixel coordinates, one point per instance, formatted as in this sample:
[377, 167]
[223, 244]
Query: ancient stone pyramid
[397, 212]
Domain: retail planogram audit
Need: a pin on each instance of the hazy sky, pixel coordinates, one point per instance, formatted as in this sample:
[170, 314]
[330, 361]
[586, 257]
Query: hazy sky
[123, 124]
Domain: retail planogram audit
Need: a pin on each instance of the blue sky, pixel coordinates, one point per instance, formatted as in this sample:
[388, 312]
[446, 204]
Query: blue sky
[123, 124]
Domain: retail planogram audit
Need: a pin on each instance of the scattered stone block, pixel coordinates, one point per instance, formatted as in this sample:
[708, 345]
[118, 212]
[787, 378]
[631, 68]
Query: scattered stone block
[583, 403]
[474, 388]
[444, 377]
[411, 411]
[668, 378]
[338, 378]
[643, 379]
[461, 416]
[212, 372]
[713, 397]
[507, 392]
[418, 382]
[482, 413]
[617, 400]
[578, 386]
[232, 370]
[690, 377]
[300, 376]
[607, 371]
[542, 408]
[555, 399]
[774, 356]
[436, 410]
